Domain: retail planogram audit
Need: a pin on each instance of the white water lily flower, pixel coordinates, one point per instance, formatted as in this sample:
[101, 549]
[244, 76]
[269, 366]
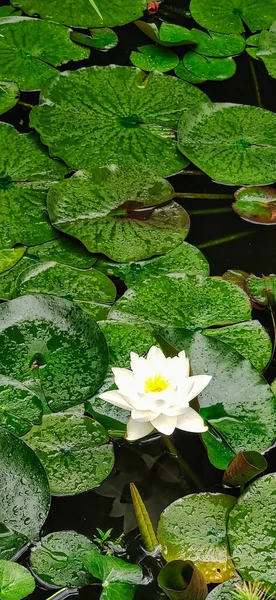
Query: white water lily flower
[157, 390]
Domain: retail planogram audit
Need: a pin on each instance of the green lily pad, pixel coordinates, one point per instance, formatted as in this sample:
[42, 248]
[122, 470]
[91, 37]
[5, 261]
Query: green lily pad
[56, 559]
[19, 407]
[232, 143]
[182, 301]
[203, 67]
[185, 258]
[57, 340]
[26, 173]
[262, 290]
[24, 487]
[104, 128]
[195, 528]
[99, 209]
[229, 16]
[9, 258]
[6, 11]
[182, 72]
[86, 13]
[62, 250]
[9, 93]
[101, 39]
[25, 61]
[73, 451]
[218, 44]
[251, 538]
[238, 404]
[154, 58]
[256, 204]
[119, 578]
[10, 542]
[166, 34]
[9, 279]
[15, 581]
[266, 51]
[99, 312]
[225, 590]
[250, 339]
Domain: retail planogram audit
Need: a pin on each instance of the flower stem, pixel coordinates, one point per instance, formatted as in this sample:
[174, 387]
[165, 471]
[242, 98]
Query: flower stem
[183, 463]
[190, 195]
[26, 104]
[224, 240]
[255, 81]
[210, 211]
[64, 593]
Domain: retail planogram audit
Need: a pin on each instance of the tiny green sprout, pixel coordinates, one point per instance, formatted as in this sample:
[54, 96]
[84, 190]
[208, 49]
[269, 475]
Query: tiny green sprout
[251, 591]
[105, 542]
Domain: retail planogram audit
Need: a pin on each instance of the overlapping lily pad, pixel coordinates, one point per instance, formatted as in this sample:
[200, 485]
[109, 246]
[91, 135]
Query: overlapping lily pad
[119, 578]
[25, 61]
[256, 204]
[15, 581]
[7, 11]
[229, 16]
[73, 451]
[26, 173]
[99, 209]
[166, 34]
[234, 144]
[9, 93]
[204, 67]
[64, 250]
[57, 341]
[101, 39]
[85, 123]
[85, 13]
[9, 257]
[19, 407]
[10, 542]
[154, 58]
[262, 290]
[217, 44]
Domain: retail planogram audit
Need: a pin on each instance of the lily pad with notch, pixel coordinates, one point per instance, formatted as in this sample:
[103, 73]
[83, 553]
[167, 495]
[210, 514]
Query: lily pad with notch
[9, 93]
[217, 45]
[225, 590]
[262, 290]
[229, 16]
[205, 67]
[256, 204]
[73, 451]
[16, 582]
[19, 407]
[182, 72]
[232, 143]
[154, 58]
[166, 34]
[103, 39]
[125, 129]
[115, 211]
[63, 250]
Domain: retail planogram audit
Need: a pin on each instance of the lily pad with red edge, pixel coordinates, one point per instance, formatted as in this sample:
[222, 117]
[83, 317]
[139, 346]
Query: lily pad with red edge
[256, 204]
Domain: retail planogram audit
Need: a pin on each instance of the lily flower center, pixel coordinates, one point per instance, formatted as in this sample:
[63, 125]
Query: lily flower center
[158, 383]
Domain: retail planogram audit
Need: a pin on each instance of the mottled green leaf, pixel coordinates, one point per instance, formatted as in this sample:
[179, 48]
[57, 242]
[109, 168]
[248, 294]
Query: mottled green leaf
[15, 581]
[73, 452]
[225, 590]
[26, 173]
[262, 290]
[20, 408]
[251, 532]
[24, 488]
[64, 250]
[6, 11]
[84, 122]
[99, 209]
[119, 578]
[266, 51]
[154, 58]
[10, 542]
[99, 312]
[57, 559]
[256, 204]
[229, 16]
[194, 528]
[31, 48]
[217, 44]
[9, 93]
[85, 13]
[9, 258]
[166, 34]
[101, 39]
[57, 341]
[203, 67]
[232, 143]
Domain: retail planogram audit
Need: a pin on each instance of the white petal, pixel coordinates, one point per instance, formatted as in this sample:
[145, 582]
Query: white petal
[200, 383]
[184, 391]
[191, 421]
[174, 411]
[155, 354]
[143, 416]
[123, 377]
[165, 424]
[113, 397]
[136, 430]
[179, 367]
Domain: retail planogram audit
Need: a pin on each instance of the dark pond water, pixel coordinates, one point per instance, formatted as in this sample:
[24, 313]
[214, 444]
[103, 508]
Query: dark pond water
[147, 463]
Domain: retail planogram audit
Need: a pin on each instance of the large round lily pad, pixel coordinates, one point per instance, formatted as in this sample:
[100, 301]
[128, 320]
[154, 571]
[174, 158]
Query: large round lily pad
[9, 93]
[56, 559]
[194, 528]
[98, 209]
[26, 173]
[19, 407]
[25, 61]
[85, 13]
[109, 115]
[73, 451]
[251, 532]
[232, 143]
[229, 16]
[24, 487]
[50, 338]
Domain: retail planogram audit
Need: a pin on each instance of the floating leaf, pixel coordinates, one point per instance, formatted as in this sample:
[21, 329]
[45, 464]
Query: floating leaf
[229, 16]
[105, 129]
[183, 259]
[99, 210]
[217, 44]
[57, 559]
[26, 173]
[148, 536]
[166, 34]
[6, 11]
[63, 250]
[19, 407]
[250, 339]
[251, 532]
[194, 528]
[244, 467]
[262, 289]
[181, 580]
[203, 67]
[181, 300]
[182, 72]
[101, 39]
[225, 590]
[232, 143]
[15, 581]
[256, 204]
[73, 451]
[9, 93]
[25, 61]
[154, 58]
[99, 312]
[10, 542]
[57, 340]
[24, 487]
[266, 50]
[119, 578]
[9, 258]
[86, 13]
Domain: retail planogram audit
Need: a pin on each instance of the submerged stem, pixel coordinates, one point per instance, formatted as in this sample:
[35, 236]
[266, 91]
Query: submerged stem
[183, 463]
[191, 195]
[255, 81]
[26, 104]
[210, 211]
[64, 593]
[224, 240]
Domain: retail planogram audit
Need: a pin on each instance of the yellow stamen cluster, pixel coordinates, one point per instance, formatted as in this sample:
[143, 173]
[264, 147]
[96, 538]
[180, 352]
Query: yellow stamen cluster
[158, 383]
